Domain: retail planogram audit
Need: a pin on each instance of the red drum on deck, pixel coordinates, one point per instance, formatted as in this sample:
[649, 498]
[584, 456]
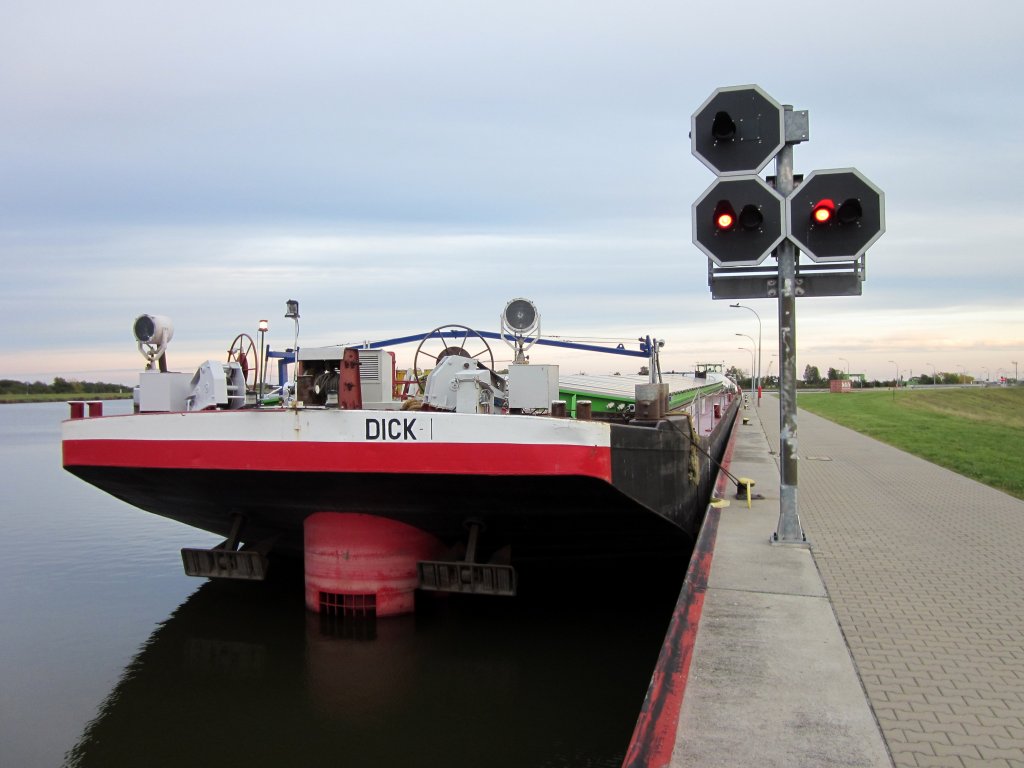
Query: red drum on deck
[363, 565]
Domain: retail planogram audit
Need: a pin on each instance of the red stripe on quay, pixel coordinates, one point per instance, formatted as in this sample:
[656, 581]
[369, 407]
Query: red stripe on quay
[654, 737]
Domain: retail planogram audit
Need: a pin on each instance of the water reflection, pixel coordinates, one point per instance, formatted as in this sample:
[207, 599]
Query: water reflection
[84, 579]
[242, 674]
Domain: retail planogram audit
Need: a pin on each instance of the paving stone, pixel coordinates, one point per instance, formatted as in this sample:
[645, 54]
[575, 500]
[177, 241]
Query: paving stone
[940, 761]
[911, 748]
[1013, 755]
[983, 763]
[1007, 743]
[957, 750]
[975, 739]
[933, 737]
[949, 729]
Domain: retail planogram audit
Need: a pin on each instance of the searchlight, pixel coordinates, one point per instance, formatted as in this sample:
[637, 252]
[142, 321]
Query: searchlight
[153, 333]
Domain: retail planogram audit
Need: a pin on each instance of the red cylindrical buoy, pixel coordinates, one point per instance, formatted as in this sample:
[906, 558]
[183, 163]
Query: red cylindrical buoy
[363, 565]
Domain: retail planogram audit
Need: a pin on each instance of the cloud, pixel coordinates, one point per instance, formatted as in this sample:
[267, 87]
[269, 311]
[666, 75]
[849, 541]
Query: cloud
[397, 166]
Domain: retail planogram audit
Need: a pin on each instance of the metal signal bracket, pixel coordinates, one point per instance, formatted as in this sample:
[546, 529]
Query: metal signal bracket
[812, 280]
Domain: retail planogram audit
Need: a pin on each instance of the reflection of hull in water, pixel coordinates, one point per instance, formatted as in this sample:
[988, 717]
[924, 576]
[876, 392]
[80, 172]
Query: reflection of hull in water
[240, 675]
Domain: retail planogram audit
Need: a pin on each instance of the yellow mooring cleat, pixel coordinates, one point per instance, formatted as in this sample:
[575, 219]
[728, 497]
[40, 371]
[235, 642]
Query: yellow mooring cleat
[743, 486]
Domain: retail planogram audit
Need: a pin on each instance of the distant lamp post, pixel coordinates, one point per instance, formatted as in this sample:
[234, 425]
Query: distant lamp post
[847, 368]
[963, 374]
[758, 375]
[935, 376]
[897, 381]
[292, 312]
[263, 327]
[751, 357]
[1014, 371]
[755, 381]
[988, 375]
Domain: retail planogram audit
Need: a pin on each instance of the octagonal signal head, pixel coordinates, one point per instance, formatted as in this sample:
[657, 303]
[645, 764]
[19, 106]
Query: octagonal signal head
[737, 130]
[835, 215]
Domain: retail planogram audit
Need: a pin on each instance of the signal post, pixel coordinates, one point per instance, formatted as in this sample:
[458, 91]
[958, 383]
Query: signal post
[832, 215]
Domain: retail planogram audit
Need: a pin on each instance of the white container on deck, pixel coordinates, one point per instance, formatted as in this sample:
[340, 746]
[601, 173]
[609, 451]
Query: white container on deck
[532, 386]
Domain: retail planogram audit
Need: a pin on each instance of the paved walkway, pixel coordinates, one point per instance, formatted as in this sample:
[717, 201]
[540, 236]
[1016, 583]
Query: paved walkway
[924, 570]
[771, 681]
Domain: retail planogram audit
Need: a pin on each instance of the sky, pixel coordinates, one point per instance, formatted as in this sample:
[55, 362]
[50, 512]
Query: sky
[397, 166]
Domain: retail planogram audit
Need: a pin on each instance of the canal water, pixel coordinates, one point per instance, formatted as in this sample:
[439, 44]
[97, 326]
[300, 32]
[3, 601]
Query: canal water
[110, 656]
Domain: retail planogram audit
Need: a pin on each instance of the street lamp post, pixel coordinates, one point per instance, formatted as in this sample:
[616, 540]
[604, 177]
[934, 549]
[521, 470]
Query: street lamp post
[755, 379]
[896, 383]
[263, 327]
[751, 358]
[935, 376]
[292, 313]
[758, 377]
[1014, 371]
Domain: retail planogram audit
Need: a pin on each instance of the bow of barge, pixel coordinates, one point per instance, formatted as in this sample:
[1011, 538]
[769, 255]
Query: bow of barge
[385, 485]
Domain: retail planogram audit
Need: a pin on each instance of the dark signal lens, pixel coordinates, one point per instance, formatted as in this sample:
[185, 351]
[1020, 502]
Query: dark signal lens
[723, 128]
[850, 211]
[751, 217]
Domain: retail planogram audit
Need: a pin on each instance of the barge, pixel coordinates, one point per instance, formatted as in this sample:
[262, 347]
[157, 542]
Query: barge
[452, 478]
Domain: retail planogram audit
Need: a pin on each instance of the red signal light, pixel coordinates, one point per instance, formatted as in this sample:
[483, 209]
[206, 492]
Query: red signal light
[823, 211]
[725, 216]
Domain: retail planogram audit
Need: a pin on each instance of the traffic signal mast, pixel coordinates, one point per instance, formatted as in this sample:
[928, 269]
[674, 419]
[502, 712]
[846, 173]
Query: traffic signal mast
[832, 216]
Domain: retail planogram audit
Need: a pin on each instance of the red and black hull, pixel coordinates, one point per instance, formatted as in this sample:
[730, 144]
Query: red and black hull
[605, 490]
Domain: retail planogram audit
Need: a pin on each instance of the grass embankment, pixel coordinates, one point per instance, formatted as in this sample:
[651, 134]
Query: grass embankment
[978, 433]
[55, 397]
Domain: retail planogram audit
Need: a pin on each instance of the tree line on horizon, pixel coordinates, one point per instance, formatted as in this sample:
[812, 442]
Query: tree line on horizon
[59, 386]
[812, 378]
